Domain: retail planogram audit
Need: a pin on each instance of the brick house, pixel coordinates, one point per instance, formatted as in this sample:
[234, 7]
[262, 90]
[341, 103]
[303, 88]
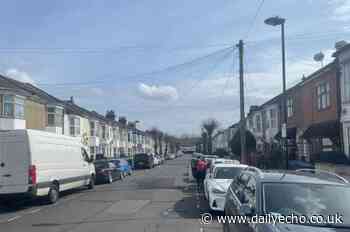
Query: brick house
[319, 126]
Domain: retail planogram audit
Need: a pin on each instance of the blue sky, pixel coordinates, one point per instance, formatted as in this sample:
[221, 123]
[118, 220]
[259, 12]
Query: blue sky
[110, 45]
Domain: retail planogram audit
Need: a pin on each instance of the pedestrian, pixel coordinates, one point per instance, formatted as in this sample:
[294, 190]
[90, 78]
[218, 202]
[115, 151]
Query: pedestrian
[201, 169]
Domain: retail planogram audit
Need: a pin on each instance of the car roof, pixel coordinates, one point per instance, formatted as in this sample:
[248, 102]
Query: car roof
[281, 176]
[230, 165]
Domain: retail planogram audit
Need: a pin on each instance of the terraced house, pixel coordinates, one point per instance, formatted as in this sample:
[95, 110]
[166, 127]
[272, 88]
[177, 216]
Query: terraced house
[25, 106]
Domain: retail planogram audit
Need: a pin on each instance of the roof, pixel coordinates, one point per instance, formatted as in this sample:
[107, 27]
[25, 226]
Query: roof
[278, 176]
[33, 90]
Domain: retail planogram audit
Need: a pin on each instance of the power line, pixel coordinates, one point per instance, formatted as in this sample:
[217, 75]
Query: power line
[250, 28]
[167, 69]
[107, 50]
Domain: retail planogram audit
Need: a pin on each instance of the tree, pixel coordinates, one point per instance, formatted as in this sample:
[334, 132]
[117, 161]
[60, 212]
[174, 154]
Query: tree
[235, 143]
[205, 142]
[209, 126]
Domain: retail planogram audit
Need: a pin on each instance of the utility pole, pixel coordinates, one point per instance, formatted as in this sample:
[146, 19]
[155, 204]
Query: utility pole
[242, 124]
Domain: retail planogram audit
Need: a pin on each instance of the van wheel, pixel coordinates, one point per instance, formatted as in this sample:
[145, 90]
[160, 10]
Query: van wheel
[54, 194]
[91, 184]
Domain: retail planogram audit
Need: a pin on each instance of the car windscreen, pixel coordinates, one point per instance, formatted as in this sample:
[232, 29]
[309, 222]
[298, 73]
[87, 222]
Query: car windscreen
[226, 172]
[307, 199]
[142, 157]
[101, 165]
[116, 162]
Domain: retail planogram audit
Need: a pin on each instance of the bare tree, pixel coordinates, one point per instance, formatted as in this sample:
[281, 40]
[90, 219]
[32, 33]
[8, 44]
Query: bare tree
[209, 126]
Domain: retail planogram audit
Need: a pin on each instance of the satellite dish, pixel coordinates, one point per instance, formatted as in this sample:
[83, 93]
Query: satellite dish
[319, 57]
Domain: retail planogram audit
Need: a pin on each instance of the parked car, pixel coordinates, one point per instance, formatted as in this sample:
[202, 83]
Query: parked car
[123, 166]
[107, 171]
[156, 159]
[302, 192]
[217, 181]
[143, 160]
[171, 156]
[225, 161]
[35, 163]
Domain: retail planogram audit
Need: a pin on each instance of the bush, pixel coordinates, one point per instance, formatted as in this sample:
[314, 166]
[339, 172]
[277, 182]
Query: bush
[235, 143]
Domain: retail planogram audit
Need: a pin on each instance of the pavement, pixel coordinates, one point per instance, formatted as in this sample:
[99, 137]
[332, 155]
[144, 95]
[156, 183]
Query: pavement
[163, 199]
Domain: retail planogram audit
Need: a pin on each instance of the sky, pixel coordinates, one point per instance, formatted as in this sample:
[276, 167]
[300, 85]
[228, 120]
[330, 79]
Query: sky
[169, 64]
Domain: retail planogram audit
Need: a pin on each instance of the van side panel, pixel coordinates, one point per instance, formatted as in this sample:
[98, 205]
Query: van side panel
[14, 162]
[57, 158]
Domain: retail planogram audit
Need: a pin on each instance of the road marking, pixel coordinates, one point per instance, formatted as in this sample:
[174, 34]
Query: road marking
[33, 211]
[13, 218]
[201, 229]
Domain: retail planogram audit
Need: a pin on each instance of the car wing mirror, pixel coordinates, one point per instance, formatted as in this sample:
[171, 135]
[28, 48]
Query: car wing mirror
[246, 210]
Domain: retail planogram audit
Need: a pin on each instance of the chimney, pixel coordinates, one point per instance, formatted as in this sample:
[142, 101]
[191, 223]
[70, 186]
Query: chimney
[340, 44]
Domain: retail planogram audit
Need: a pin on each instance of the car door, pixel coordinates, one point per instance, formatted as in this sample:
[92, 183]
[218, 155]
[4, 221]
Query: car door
[248, 196]
[113, 169]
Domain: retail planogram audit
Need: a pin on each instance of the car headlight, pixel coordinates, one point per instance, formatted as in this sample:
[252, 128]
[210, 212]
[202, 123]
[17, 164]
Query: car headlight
[218, 191]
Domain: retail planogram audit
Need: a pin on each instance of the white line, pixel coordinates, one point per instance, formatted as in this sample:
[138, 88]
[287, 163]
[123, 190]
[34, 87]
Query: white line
[201, 229]
[33, 211]
[13, 218]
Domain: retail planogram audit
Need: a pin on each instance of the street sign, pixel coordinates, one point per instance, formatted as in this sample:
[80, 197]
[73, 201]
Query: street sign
[284, 130]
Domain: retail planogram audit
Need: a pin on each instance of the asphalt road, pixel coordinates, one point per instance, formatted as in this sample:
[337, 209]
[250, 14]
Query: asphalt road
[161, 199]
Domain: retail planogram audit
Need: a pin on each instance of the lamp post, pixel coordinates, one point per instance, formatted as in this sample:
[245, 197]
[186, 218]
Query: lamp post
[278, 21]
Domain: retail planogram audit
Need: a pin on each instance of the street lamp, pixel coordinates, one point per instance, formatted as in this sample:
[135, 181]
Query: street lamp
[276, 21]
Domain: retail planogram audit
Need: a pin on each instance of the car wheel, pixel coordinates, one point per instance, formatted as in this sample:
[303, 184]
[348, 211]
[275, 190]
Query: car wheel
[110, 178]
[53, 194]
[91, 184]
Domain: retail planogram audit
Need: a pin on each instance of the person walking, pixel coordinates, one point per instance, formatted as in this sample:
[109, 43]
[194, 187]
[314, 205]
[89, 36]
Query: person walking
[201, 169]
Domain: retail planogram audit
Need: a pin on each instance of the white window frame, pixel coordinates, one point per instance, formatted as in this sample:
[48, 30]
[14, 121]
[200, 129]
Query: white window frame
[57, 116]
[74, 126]
[323, 96]
[273, 118]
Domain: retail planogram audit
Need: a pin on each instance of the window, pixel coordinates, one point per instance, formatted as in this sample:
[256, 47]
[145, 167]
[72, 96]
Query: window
[290, 107]
[54, 116]
[273, 118]
[265, 120]
[74, 126]
[103, 131]
[19, 108]
[8, 105]
[323, 96]
[92, 150]
[251, 123]
[92, 129]
[258, 123]
[346, 82]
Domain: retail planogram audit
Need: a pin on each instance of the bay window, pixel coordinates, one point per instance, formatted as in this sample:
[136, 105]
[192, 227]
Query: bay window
[54, 116]
[12, 106]
[74, 126]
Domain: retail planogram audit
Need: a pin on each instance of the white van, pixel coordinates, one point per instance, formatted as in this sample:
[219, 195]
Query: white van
[42, 164]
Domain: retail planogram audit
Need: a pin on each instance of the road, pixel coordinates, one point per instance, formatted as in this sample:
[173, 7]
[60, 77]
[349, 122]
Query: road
[161, 199]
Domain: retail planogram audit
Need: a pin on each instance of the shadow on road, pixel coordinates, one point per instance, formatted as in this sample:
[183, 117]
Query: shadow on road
[13, 204]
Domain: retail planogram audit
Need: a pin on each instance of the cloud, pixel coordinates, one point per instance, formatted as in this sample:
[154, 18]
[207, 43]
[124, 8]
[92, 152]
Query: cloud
[97, 91]
[20, 76]
[341, 11]
[158, 93]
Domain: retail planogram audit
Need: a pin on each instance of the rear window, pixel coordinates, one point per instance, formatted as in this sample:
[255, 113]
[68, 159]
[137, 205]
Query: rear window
[101, 165]
[141, 157]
